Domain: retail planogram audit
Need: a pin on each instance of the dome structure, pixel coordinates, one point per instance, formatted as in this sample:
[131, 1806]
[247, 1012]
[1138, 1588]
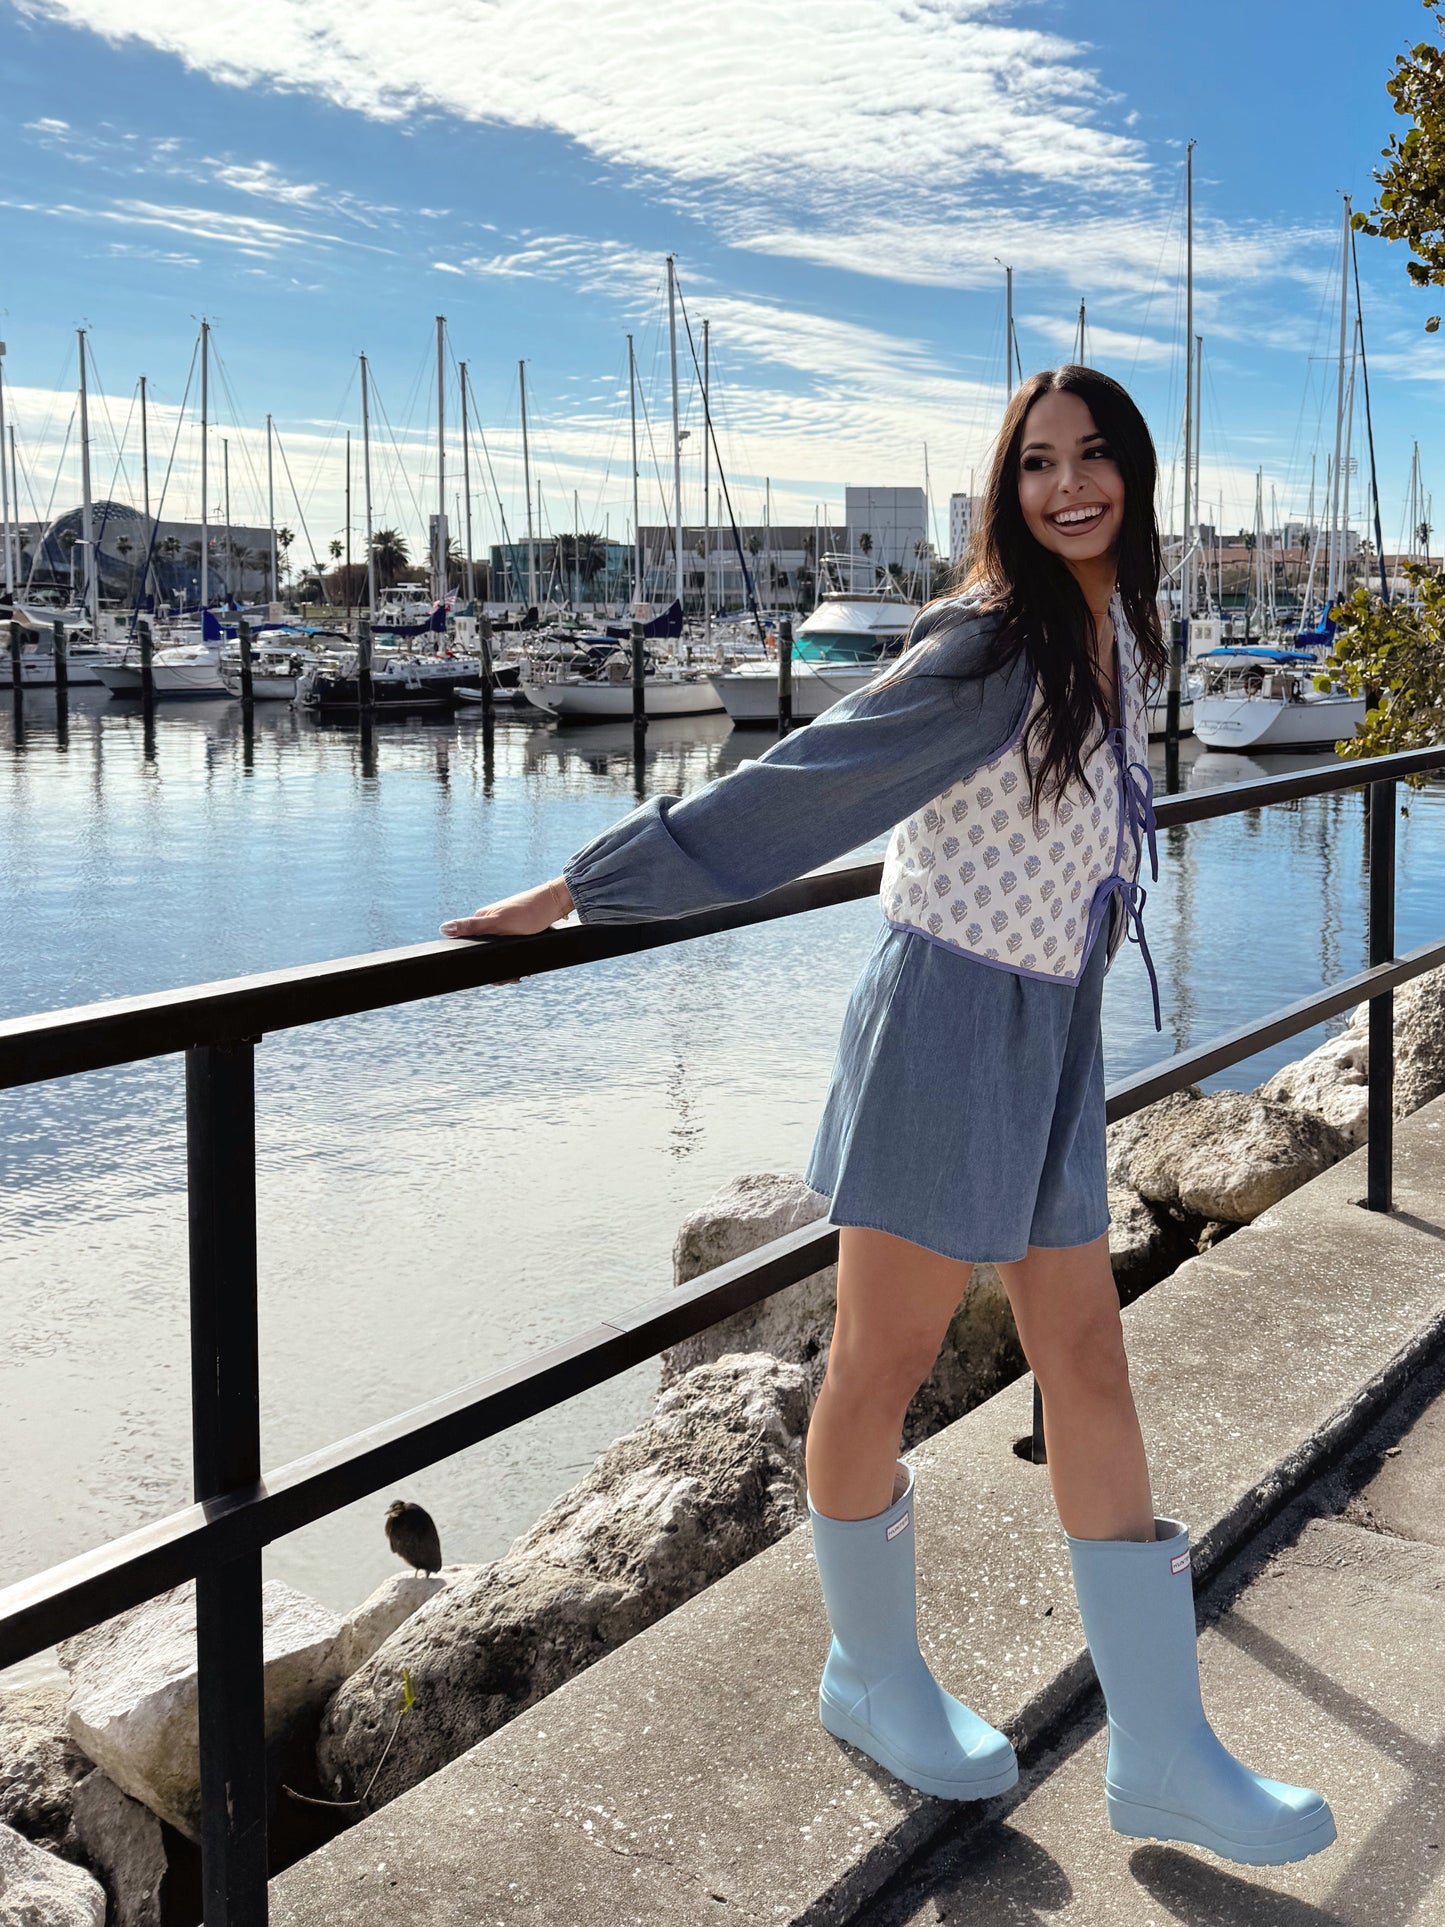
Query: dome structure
[139, 555]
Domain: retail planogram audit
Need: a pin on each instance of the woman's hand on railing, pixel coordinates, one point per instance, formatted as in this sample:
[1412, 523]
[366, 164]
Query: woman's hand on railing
[523, 915]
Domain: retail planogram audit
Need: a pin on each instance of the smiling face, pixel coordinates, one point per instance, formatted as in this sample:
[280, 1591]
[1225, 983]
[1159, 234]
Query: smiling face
[1071, 493]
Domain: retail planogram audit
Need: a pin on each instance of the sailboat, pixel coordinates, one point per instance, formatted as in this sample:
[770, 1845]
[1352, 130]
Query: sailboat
[1266, 699]
[599, 689]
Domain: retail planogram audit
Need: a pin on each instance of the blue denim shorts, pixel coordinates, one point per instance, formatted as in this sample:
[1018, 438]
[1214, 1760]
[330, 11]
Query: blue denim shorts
[966, 1108]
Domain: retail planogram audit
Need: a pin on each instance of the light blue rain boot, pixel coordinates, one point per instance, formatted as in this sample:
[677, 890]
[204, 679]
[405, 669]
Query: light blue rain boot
[876, 1691]
[1169, 1777]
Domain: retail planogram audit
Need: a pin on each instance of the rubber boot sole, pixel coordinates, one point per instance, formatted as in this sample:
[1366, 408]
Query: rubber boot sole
[984, 1787]
[1139, 1821]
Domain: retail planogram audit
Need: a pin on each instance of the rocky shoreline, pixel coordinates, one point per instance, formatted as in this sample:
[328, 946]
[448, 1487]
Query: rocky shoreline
[99, 1802]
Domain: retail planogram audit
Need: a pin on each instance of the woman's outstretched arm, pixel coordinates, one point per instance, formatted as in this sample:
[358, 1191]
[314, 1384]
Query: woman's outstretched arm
[812, 796]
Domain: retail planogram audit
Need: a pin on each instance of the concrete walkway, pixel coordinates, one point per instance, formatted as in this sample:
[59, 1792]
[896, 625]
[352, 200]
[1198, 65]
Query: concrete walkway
[685, 1777]
[1324, 1662]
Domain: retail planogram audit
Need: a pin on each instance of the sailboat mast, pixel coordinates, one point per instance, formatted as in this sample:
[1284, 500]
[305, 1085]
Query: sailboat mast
[676, 431]
[636, 524]
[1186, 578]
[470, 578]
[348, 524]
[226, 505]
[440, 576]
[205, 429]
[706, 487]
[1008, 335]
[365, 485]
[1198, 463]
[271, 512]
[5, 491]
[15, 497]
[1332, 569]
[90, 595]
[527, 489]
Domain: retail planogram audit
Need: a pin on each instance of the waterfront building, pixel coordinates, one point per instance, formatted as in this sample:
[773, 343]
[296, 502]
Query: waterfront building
[780, 559]
[137, 556]
[962, 514]
[888, 525]
[578, 570]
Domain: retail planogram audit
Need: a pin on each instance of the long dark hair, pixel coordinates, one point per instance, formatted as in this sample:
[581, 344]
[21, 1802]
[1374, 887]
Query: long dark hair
[1043, 612]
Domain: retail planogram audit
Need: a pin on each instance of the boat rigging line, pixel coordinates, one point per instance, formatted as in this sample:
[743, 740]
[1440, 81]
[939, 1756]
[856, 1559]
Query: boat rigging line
[711, 434]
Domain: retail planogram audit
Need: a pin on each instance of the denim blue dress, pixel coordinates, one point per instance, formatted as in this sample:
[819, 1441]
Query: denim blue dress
[966, 1107]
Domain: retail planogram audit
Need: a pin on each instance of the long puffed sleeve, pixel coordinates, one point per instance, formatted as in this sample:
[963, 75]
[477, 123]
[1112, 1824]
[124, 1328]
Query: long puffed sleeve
[817, 793]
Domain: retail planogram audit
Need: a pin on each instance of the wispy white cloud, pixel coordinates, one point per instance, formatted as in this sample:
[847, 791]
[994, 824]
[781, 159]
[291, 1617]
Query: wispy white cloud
[901, 95]
[265, 181]
[1115, 343]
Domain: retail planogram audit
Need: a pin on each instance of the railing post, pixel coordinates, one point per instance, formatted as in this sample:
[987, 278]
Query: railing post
[639, 679]
[1380, 1145]
[785, 675]
[226, 1455]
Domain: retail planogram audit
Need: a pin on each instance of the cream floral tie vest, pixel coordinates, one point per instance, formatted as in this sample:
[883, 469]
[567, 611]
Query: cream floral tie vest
[976, 870]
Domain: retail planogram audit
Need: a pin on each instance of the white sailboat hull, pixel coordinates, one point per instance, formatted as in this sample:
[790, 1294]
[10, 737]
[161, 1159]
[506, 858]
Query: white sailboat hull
[750, 694]
[1159, 717]
[663, 695]
[1247, 722]
[187, 671]
[38, 672]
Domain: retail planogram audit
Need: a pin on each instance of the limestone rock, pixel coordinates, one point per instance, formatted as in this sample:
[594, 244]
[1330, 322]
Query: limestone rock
[1330, 1082]
[1130, 1133]
[796, 1323]
[980, 1351]
[133, 1691]
[39, 1767]
[1232, 1155]
[39, 1890]
[1147, 1242]
[714, 1476]
[123, 1842]
[1419, 1040]
[381, 1612]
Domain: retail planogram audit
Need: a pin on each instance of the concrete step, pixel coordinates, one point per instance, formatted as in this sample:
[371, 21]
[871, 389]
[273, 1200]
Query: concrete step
[685, 1777]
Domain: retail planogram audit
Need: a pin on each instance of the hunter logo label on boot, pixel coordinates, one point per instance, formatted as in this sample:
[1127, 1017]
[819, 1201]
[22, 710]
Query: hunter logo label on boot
[1180, 1562]
[897, 1526]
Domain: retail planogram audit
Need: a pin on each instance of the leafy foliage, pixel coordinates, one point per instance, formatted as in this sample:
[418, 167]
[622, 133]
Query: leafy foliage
[1411, 204]
[1393, 652]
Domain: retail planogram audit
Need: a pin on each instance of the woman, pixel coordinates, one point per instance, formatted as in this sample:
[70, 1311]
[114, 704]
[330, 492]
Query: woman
[965, 1119]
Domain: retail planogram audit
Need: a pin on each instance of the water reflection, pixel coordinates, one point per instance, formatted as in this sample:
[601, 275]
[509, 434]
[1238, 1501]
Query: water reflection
[447, 1187]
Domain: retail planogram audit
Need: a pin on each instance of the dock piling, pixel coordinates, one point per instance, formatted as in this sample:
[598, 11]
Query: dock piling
[243, 638]
[785, 674]
[639, 678]
[147, 670]
[365, 693]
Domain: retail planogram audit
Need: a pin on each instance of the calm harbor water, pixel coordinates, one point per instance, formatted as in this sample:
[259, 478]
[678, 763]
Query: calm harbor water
[446, 1188]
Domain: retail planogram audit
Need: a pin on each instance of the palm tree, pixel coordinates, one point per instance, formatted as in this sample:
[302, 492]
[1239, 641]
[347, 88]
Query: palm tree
[390, 554]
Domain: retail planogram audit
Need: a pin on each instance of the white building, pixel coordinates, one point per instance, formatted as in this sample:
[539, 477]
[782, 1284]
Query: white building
[887, 525]
[963, 511]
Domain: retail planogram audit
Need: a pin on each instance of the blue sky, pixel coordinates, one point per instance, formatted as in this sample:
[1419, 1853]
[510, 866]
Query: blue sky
[836, 178]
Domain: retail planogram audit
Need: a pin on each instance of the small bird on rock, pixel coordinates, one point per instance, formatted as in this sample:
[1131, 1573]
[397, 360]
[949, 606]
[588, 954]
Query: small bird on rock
[412, 1536]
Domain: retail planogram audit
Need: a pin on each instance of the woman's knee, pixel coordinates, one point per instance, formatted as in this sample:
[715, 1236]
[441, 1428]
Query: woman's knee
[882, 1378]
[1085, 1360]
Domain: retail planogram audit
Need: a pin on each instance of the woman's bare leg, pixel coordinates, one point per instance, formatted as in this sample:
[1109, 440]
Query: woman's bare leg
[895, 1303]
[1066, 1307]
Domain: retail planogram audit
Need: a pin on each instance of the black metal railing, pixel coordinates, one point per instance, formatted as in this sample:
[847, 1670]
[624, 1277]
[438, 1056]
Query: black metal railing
[239, 1509]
